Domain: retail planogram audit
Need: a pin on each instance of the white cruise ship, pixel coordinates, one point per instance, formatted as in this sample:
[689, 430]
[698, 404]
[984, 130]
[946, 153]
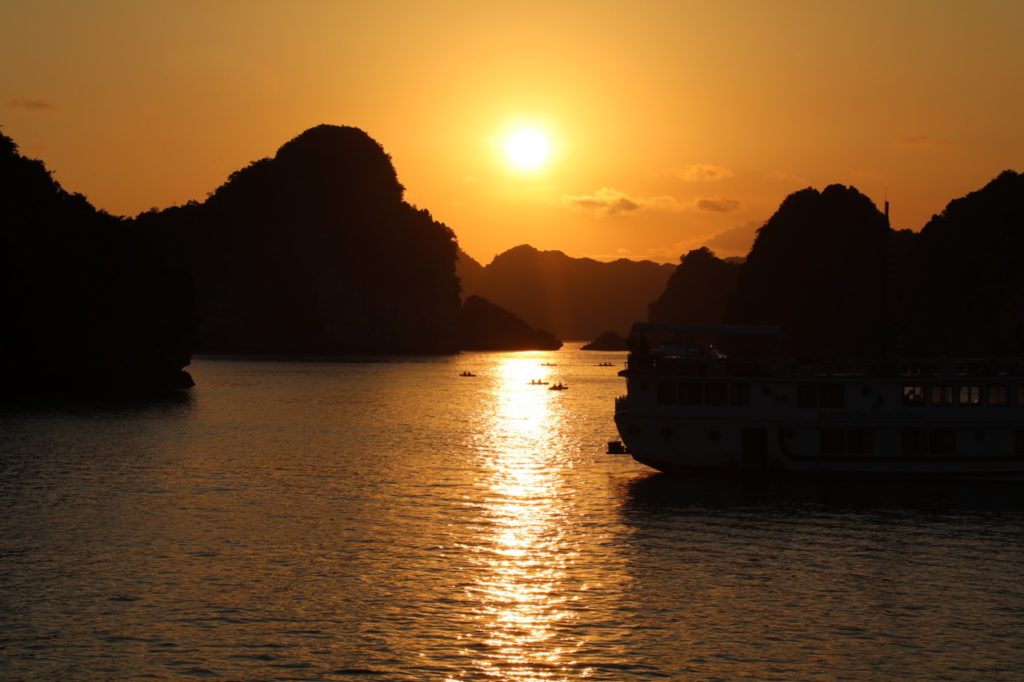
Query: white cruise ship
[722, 400]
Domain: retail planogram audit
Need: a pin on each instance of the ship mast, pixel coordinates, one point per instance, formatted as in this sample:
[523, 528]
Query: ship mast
[889, 312]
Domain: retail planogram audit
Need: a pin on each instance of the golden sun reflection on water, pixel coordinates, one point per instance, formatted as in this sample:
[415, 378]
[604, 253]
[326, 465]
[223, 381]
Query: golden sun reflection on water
[520, 584]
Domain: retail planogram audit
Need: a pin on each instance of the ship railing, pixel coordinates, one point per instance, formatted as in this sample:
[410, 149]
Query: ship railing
[620, 404]
[702, 366]
[740, 367]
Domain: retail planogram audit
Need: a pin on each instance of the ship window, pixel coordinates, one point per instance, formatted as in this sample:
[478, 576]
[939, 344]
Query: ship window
[806, 395]
[998, 395]
[942, 442]
[690, 394]
[915, 442]
[839, 442]
[666, 393]
[969, 395]
[858, 442]
[913, 396]
[941, 395]
[716, 394]
[832, 442]
[832, 395]
[937, 442]
[739, 395]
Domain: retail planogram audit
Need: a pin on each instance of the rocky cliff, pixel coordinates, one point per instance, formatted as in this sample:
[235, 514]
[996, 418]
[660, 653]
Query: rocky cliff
[315, 251]
[87, 306]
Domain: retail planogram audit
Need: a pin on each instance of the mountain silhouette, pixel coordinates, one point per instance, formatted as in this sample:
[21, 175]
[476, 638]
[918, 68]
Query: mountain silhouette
[87, 306]
[470, 272]
[576, 298]
[485, 326]
[843, 285]
[698, 271]
[817, 268]
[607, 341]
[962, 284]
[315, 251]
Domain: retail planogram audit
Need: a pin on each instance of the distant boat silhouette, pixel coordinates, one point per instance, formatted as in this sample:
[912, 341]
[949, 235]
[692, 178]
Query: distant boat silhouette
[538, 382]
[466, 374]
[558, 387]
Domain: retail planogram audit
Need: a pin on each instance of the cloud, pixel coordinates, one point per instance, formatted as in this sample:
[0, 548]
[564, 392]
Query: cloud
[36, 104]
[735, 241]
[717, 204]
[704, 172]
[923, 141]
[665, 203]
[612, 201]
[605, 200]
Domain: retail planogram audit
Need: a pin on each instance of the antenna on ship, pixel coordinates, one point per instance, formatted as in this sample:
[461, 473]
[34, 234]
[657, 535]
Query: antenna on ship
[891, 346]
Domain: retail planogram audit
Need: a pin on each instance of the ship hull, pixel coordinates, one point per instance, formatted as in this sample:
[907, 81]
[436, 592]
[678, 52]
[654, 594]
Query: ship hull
[692, 408]
[757, 450]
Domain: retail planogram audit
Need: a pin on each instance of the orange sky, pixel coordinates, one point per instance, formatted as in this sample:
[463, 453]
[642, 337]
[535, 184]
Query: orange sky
[673, 124]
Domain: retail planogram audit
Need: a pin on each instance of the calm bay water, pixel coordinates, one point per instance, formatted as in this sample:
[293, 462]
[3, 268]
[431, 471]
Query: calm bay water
[395, 521]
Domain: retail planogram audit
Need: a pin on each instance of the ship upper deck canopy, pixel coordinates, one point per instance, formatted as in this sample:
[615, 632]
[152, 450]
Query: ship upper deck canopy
[659, 328]
[686, 347]
[701, 342]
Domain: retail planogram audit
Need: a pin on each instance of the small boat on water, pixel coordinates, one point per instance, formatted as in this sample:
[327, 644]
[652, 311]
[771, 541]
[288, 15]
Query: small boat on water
[558, 387]
[615, 447]
[466, 374]
[718, 399]
[538, 382]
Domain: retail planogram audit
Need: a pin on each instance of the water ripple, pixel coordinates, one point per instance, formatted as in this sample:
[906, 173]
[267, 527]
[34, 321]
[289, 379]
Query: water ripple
[395, 521]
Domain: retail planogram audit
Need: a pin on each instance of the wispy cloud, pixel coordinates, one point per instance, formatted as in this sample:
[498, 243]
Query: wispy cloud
[923, 141]
[666, 203]
[718, 204]
[605, 200]
[36, 104]
[703, 172]
[612, 201]
[735, 241]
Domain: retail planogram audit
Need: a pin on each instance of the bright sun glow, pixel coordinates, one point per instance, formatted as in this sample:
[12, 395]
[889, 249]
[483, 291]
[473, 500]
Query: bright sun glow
[527, 148]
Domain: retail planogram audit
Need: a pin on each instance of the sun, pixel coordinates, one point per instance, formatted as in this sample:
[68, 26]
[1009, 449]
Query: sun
[527, 149]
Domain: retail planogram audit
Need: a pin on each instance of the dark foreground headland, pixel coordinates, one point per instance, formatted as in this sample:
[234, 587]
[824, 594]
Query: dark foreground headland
[87, 306]
[311, 252]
